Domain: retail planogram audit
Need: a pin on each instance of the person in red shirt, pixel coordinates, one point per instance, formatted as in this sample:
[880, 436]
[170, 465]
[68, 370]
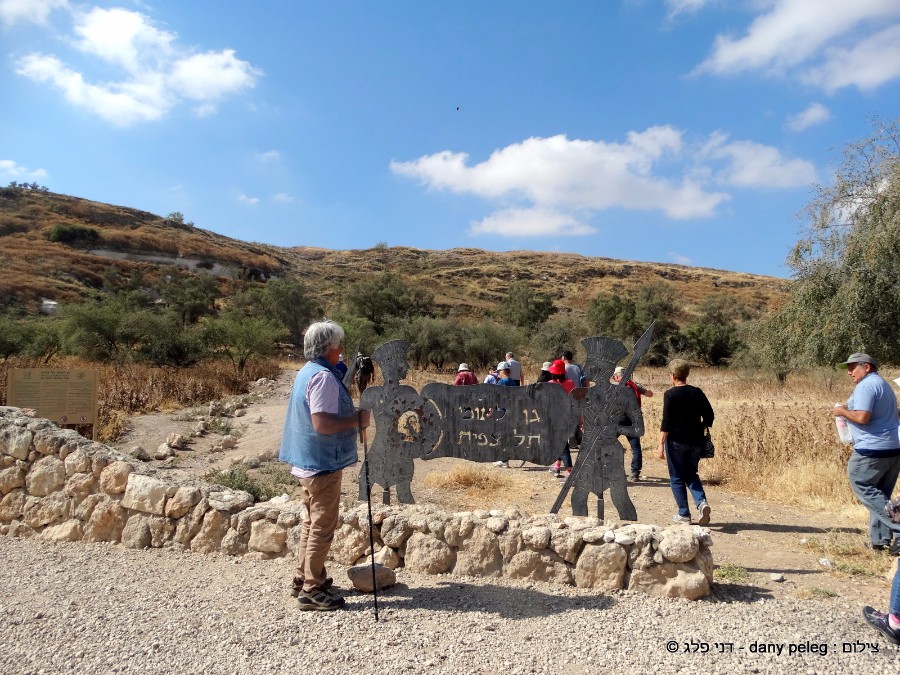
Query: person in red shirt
[464, 375]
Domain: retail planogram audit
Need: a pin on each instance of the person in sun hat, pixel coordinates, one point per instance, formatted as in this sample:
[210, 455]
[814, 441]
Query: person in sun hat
[871, 412]
[464, 375]
[545, 372]
[503, 379]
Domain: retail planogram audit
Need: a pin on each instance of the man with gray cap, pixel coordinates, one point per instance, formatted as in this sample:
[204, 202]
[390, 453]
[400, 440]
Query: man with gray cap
[871, 412]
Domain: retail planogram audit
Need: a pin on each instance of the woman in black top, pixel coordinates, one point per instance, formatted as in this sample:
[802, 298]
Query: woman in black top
[686, 414]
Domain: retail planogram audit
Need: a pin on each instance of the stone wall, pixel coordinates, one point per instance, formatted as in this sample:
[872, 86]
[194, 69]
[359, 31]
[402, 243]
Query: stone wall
[57, 485]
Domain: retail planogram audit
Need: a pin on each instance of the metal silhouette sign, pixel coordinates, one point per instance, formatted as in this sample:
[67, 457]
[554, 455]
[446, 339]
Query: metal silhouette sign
[490, 423]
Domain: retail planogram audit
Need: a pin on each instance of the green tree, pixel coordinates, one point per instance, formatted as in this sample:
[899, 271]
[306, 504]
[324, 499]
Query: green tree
[190, 296]
[241, 338]
[93, 330]
[627, 318]
[385, 297]
[563, 333]
[525, 308]
[12, 337]
[291, 303]
[43, 340]
[845, 296]
[713, 335]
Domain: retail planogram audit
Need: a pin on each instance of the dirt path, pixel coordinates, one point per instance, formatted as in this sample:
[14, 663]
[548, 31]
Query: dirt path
[762, 537]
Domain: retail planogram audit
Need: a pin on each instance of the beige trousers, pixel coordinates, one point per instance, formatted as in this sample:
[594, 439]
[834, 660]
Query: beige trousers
[322, 496]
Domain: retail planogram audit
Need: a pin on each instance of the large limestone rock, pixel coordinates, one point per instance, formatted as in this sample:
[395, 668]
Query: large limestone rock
[47, 475]
[71, 530]
[11, 478]
[267, 537]
[678, 544]
[388, 557]
[137, 532]
[78, 461]
[361, 577]
[114, 478]
[671, 580]
[601, 566]
[80, 485]
[190, 524]
[15, 441]
[184, 499]
[41, 511]
[481, 556]
[428, 555]
[543, 565]
[11, 505]
[567, 544]
[106, 522]
[146, 494]
[209, 538]
[235, 543]
[395, 530]
[349, 545]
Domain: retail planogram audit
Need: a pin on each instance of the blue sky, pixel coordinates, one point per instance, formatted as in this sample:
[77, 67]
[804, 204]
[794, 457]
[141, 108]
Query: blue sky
[687, 131]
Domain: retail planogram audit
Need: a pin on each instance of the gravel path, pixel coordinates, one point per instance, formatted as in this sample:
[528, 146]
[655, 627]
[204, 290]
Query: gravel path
[100, 608]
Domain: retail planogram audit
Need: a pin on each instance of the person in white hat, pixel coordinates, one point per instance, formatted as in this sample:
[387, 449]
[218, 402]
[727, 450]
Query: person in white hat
[871, 412]
[464, 375]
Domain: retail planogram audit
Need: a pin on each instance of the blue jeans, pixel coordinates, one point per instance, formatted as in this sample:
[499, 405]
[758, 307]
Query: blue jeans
[637, 457]
[566, 457]
[683, 460]
[872, 480]
[894, 607]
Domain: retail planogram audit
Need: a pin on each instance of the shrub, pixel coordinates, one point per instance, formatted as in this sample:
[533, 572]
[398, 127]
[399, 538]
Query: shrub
[74, 234]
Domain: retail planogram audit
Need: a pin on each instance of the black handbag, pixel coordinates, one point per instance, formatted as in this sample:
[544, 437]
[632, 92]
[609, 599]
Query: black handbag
[709, 450]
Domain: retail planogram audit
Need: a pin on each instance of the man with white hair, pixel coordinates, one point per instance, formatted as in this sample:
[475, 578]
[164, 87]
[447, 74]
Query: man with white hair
[515, 370]
[319, 442]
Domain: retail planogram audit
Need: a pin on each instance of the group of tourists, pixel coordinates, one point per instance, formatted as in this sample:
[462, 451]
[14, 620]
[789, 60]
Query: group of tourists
[322, 426]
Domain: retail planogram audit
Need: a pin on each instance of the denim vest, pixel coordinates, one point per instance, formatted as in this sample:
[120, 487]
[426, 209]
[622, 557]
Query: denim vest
[301, 445]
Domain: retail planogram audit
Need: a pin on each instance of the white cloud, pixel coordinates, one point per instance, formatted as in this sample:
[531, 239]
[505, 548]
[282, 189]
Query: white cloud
[212, 75]
[269, 156]
[866, 65]
[15, 171]
[157, 74]
[125, 38]
[122, 103]
[753, 165]
[811, 39]
[680, 259]
[552, 186]
[28, 11]
[534, 222]
[282, 198]
[815, 114]
[244, 199]
[544, 182]
[677, 7]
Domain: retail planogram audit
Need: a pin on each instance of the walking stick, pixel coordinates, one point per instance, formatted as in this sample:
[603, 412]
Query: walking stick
[362, 436]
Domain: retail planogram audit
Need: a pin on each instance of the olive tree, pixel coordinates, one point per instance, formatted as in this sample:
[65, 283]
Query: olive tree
[845, 294]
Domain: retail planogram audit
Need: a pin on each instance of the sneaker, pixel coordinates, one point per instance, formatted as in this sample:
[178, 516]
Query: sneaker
[319, 600]
[634, 477]
[704, 510]
[501, 465]
[880, 622]
[681, 519]
[297, 585]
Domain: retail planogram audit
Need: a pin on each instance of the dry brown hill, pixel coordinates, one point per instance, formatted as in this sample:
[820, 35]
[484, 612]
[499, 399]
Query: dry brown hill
[468, 280]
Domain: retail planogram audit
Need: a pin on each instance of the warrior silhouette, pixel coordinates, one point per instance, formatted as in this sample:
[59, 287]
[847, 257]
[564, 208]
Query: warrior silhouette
[603, 407]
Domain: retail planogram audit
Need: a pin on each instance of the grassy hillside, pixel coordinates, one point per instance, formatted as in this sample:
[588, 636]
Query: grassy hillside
[465, 280]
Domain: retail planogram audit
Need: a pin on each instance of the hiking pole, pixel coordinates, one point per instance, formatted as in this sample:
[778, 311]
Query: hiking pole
[362, 436]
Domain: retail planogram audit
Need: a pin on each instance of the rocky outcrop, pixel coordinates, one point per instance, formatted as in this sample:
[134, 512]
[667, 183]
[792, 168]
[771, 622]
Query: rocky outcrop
[56, 485]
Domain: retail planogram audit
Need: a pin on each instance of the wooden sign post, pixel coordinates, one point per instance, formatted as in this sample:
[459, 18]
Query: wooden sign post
[64, 396]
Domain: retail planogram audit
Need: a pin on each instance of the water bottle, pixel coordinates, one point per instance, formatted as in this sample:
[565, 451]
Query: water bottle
[843, 428]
